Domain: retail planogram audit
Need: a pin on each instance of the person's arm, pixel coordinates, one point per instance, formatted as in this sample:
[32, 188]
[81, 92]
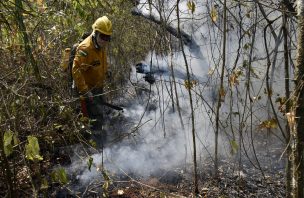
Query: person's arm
[79, 65]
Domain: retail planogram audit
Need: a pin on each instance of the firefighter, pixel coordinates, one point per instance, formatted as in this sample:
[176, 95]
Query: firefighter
[90, 70]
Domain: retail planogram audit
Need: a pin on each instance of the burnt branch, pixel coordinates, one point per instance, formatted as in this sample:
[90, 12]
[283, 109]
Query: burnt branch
[186, 38]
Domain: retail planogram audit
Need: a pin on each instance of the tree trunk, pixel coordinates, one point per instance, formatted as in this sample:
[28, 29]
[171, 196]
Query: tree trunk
[299, 94]
[195, 189]
[287, 97]
[22, 28]
[221, 92]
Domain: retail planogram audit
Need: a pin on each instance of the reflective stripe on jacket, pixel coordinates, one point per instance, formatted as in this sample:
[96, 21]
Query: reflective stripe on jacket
[89, 66]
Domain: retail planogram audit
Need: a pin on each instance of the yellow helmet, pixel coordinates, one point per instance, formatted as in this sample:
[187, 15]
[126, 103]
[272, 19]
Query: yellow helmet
[103, 25]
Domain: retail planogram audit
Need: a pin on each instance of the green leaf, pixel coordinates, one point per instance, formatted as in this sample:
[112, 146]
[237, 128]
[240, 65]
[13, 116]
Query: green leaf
[32, 149]
[7, 141]
[106, 176]
[191, 6]
[44, 184]
[189, 84]
[90, 162]
[58, 126]
[15, 140]
[60, 176]
[247, 46]
[234, 146]
[93, 143]
[213, 14]
[106, 183]
[269, 124]
[245, 63]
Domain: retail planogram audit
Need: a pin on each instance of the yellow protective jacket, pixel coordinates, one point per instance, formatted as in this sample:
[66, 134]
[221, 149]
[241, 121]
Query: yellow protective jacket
[89, 66]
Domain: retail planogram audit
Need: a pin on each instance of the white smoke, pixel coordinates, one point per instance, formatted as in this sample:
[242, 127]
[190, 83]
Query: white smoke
[160, 142]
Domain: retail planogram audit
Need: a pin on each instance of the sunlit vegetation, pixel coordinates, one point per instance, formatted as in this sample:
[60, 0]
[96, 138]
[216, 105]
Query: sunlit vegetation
[254, 52]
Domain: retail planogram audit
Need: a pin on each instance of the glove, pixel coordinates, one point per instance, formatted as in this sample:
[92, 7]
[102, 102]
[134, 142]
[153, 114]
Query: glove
[149, 78]
[88, 95]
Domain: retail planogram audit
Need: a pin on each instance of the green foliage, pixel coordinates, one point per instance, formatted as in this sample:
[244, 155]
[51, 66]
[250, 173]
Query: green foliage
[213, 14]
[245, 63]
[44, 184]
[32, 149]
[234, 77]
[234, 146]
[190, 84]
[269, 124]
[247, 46]
[191, 6]
[93, 143]
[106, 184]
[59, 175]
[90, 162]
[45, 110]
[8, 143]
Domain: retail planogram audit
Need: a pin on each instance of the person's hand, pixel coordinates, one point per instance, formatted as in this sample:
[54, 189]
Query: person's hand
[88, 95]
[149, 78]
